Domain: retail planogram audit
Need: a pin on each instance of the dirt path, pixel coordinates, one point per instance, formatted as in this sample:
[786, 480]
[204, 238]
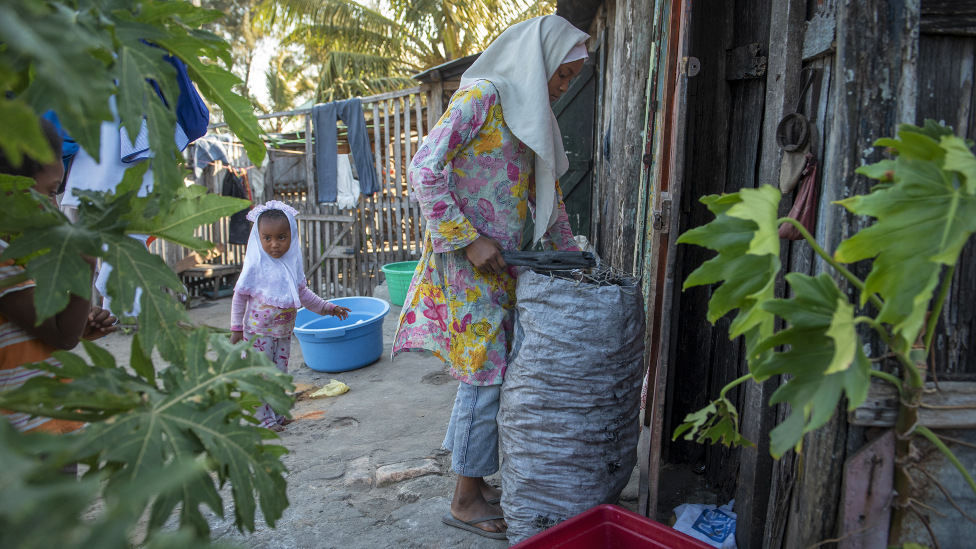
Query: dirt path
[347, 452]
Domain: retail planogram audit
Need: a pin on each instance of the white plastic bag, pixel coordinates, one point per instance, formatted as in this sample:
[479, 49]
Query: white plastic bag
[714, 526]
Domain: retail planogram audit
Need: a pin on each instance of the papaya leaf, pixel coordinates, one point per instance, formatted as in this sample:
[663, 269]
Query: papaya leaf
[205, 381]
[55, 44]
[185, 215]
[60, 270]
[136, 272]
[22, 209]
[95, 394]
[216, 84]
[142, 430]
[186, 420]
[718, 422]
[141, 362]
[825, 358]
[923, 221]
[29, 140]
[138, 63]
[746, 237]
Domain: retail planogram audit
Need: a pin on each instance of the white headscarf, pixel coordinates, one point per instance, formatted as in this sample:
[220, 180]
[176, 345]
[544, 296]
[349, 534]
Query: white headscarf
[520, 63]
[275, 282]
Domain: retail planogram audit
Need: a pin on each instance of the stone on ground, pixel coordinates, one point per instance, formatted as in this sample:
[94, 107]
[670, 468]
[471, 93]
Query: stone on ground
[397, 472]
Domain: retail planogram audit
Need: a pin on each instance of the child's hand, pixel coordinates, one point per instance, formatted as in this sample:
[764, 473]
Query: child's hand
[236, 337]
[341, 312]
[100, 323]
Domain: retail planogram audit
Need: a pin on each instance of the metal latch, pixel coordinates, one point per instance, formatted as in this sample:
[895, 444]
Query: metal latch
[662, 217]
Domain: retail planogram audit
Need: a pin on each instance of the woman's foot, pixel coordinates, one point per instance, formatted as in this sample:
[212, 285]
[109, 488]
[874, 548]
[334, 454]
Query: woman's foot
[469, 503]
[489, 492]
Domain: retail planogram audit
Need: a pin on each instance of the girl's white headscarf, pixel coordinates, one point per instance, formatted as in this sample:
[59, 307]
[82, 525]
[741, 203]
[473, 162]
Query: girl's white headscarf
[520, 63]
[272, 281]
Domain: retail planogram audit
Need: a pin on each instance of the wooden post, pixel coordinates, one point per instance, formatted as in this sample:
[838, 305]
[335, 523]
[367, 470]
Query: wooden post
[422, 224]
[396, 188]
[311, 189]
[873, 90]
[631, 51]
[758, 418]
[435, 100]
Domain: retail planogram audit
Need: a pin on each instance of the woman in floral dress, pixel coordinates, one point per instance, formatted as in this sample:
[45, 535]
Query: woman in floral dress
[492, 158]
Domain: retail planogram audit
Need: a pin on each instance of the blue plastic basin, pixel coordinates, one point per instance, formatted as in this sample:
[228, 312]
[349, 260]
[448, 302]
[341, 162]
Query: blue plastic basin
[333, 345]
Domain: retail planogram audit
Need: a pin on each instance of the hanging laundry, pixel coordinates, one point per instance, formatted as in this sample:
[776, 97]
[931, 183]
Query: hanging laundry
[255, 175]
[105, 172]
[207, 150]
[347, 186]
[192, 116]
[324, 117]
[239, 228]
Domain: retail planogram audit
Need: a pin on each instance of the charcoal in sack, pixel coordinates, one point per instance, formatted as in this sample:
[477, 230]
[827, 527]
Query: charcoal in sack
[568, 420]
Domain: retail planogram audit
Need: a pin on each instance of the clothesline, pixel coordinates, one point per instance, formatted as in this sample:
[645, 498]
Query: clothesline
[369, 99]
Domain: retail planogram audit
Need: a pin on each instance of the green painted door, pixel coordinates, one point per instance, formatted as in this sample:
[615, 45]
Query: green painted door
[576, 112]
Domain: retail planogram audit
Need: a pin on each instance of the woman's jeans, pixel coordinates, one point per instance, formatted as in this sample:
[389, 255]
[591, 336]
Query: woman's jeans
[472, 434]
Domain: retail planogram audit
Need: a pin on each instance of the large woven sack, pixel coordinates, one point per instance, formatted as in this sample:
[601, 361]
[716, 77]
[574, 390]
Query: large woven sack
[568, 421]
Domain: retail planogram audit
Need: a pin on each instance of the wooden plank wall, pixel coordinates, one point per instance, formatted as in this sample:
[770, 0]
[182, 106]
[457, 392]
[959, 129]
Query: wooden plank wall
[628, 58]
[349, 245]
[386, 227]
[946, 93]
[872, 38]
[729, 144]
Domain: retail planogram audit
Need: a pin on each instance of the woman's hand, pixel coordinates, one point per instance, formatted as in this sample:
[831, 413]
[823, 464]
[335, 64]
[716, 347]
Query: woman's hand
[236, 337]
[485, 254]
[100, 323]
[341, 312]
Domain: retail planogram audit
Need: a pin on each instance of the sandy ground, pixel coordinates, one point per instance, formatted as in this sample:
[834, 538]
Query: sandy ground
[395, 413]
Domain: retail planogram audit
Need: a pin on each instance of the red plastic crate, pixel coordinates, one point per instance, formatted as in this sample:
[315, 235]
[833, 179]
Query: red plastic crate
[609, 526]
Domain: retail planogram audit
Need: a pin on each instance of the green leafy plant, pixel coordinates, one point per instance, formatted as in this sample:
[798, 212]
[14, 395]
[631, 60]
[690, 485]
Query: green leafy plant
[162, 438]
[924, 208]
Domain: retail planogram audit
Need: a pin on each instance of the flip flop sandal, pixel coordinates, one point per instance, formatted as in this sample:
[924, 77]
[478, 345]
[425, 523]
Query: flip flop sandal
[494, 501]
[449, 520]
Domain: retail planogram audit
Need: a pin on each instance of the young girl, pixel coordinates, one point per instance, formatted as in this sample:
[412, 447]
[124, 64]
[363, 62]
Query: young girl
[23, 341]
[271, 288]
[495, 154]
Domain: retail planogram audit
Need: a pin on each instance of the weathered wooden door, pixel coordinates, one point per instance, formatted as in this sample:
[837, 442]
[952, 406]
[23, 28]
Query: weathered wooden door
[576, 112]
[661, 182]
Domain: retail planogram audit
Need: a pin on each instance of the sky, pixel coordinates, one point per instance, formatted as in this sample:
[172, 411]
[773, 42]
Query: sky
[260, 64]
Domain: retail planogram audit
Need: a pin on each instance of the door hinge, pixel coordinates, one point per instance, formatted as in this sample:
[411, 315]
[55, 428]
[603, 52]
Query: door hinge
[662, 217]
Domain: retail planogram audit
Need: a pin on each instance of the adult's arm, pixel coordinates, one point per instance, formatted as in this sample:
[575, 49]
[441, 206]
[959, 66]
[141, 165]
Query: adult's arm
[449, 229]
[63, 330]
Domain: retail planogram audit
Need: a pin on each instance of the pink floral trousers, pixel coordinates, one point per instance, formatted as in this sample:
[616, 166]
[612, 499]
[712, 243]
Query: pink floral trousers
[278, 350]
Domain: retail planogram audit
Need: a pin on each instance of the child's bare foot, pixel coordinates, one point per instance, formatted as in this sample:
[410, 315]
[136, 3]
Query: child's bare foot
[469, 503]
[287, 421]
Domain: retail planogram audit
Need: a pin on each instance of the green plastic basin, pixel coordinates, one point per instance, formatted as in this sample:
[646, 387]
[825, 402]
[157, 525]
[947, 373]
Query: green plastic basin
[398, 277]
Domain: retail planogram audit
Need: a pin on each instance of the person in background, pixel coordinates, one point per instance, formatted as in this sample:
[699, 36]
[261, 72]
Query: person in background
[22, 341]
[270, 290]
[495, 154]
